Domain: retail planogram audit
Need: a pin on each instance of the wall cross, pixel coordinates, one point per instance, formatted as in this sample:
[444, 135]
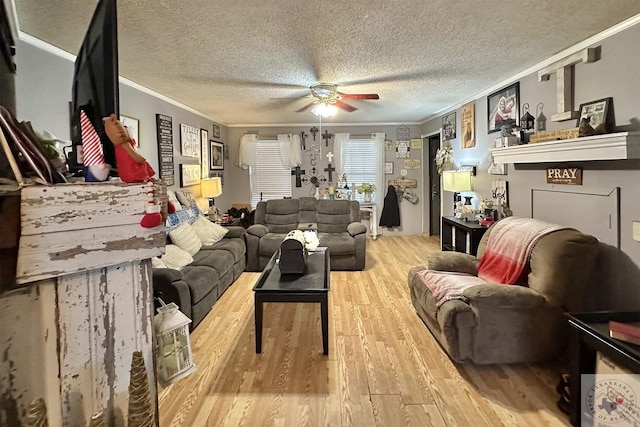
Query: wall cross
[327, 136]
[298, 173]
[303, 137]
[330, 156]
[330, 169]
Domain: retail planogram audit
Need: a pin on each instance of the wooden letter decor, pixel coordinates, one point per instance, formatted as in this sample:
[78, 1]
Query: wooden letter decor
[568, 176]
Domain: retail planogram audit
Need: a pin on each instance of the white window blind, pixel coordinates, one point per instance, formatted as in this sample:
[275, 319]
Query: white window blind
[360, 163]
[269, 178]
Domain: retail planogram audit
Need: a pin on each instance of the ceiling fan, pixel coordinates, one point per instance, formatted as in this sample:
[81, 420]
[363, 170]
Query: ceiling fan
[327, 94]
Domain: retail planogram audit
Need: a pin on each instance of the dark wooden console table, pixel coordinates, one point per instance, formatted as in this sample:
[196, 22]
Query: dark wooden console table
[453, 236]
[589, 335]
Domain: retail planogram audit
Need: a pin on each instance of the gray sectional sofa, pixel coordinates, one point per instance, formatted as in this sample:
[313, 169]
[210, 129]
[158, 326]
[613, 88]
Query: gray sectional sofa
[337, 223]
[197, 287]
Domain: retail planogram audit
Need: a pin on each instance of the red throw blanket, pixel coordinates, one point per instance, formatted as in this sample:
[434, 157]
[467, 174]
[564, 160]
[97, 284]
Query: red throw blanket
[509, 248]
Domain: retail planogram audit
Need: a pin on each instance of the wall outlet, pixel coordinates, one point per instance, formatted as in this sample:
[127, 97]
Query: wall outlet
[636, 230]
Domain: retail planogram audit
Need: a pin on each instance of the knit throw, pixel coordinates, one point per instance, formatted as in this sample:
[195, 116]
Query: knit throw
[509, 249]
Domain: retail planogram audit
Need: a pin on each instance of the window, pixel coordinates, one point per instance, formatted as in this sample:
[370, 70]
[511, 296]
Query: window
[269, 178]
[360, 160]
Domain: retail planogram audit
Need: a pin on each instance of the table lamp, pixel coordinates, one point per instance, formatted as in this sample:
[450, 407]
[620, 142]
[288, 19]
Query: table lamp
[457, 181]
[210, 188]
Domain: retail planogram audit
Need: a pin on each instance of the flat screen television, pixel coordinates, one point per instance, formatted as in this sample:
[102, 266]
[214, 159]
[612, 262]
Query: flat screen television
[95, 81]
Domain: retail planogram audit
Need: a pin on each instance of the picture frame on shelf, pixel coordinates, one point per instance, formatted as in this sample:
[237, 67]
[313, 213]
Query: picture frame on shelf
[189, 175]
[216, 155]
[503, 107]
[132, 126]
[600, 112]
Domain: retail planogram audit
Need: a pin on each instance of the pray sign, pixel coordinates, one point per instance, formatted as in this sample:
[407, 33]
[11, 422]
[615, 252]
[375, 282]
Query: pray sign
[569, 176]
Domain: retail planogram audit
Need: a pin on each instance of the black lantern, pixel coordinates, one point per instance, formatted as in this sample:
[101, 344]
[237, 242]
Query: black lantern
[527, 120]
[542, 120]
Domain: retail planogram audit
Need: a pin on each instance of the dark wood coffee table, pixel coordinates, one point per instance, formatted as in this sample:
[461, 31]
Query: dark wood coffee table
[312, 286]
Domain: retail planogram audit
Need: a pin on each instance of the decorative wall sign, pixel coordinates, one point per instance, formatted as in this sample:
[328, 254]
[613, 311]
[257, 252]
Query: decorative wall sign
[403, 133]
[499, 193]
[216, 131]
[416, 144]
[388, 145]
[449, 126]
[403, 149]
[189, 175]
[504, 108]
[412, 164]
[388, 168]
[204, 146]
[164, 132]
[553, 135]
[132, 126]
[566, 176]
[217, 155]
[403, 182]
[468, 125]
[189, 141]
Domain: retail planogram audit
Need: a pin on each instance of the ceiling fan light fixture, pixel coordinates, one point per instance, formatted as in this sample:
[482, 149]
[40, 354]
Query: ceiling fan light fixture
[324, 110]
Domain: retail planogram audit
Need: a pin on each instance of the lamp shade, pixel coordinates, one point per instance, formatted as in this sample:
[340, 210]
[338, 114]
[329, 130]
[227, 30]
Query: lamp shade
[211, 187]
[457, 181]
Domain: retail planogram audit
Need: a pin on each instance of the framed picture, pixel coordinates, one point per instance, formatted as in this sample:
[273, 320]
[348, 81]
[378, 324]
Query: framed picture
[132, 126]
[599, 112]
[388, 168]
[497, 168]
[504, 108]
[449, 126]
[219, 175]
[189, 175]
[403, 149]
[468, 125]
[217, 155]
[204, 147]
[216, 131]
[189, 141]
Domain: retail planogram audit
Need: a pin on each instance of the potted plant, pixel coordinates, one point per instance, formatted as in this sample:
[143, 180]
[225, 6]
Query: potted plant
[367, 189]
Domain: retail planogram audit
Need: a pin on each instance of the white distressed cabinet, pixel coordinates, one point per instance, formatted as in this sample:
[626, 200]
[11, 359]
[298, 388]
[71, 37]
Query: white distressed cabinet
[84, 304]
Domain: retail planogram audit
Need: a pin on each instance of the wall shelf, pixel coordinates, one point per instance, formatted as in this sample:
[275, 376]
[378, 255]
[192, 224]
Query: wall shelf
[611, 146]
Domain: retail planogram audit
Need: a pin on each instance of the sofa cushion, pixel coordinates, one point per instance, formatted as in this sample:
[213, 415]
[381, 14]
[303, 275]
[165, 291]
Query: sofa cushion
[236, 247]
[333, 216]
[270, 243]
[207, 231]
[186, 238]
[340, 243]
[201, 279]
[281, 216]
[176, 258]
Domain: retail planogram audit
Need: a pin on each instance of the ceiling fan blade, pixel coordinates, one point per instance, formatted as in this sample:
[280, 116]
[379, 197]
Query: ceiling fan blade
[358, 96]
[345, 106]
[306, 107]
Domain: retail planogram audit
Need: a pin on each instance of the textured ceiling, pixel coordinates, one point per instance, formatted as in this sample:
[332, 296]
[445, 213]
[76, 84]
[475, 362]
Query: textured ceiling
[252, 61]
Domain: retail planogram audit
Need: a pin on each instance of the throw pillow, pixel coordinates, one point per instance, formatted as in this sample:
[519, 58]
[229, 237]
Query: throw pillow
[176, 258]
[173, 199]
[186, 238]
[208, 232]
[157, 263]
[188, 215]
[186, 198]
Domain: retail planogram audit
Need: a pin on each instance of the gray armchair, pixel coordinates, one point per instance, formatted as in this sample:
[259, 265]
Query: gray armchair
[496, 323]
[337, 223]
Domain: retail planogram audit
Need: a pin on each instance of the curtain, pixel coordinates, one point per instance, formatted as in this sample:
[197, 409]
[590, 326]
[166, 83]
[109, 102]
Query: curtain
[290, 150]
[338, 142]
[247, 151]
[378, 139]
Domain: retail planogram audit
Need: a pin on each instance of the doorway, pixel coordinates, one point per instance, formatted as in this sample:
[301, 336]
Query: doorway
[434, 186]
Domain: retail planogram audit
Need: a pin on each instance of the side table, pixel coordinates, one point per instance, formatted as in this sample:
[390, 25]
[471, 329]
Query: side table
[373, 218]
[589, 335]
[461, 236]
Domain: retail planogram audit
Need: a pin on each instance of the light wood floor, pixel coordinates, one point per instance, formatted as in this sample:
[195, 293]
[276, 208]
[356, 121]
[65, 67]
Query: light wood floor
[383, 369]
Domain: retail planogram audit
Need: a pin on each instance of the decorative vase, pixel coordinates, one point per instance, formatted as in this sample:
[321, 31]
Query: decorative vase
[367, 197]
[317, 194]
